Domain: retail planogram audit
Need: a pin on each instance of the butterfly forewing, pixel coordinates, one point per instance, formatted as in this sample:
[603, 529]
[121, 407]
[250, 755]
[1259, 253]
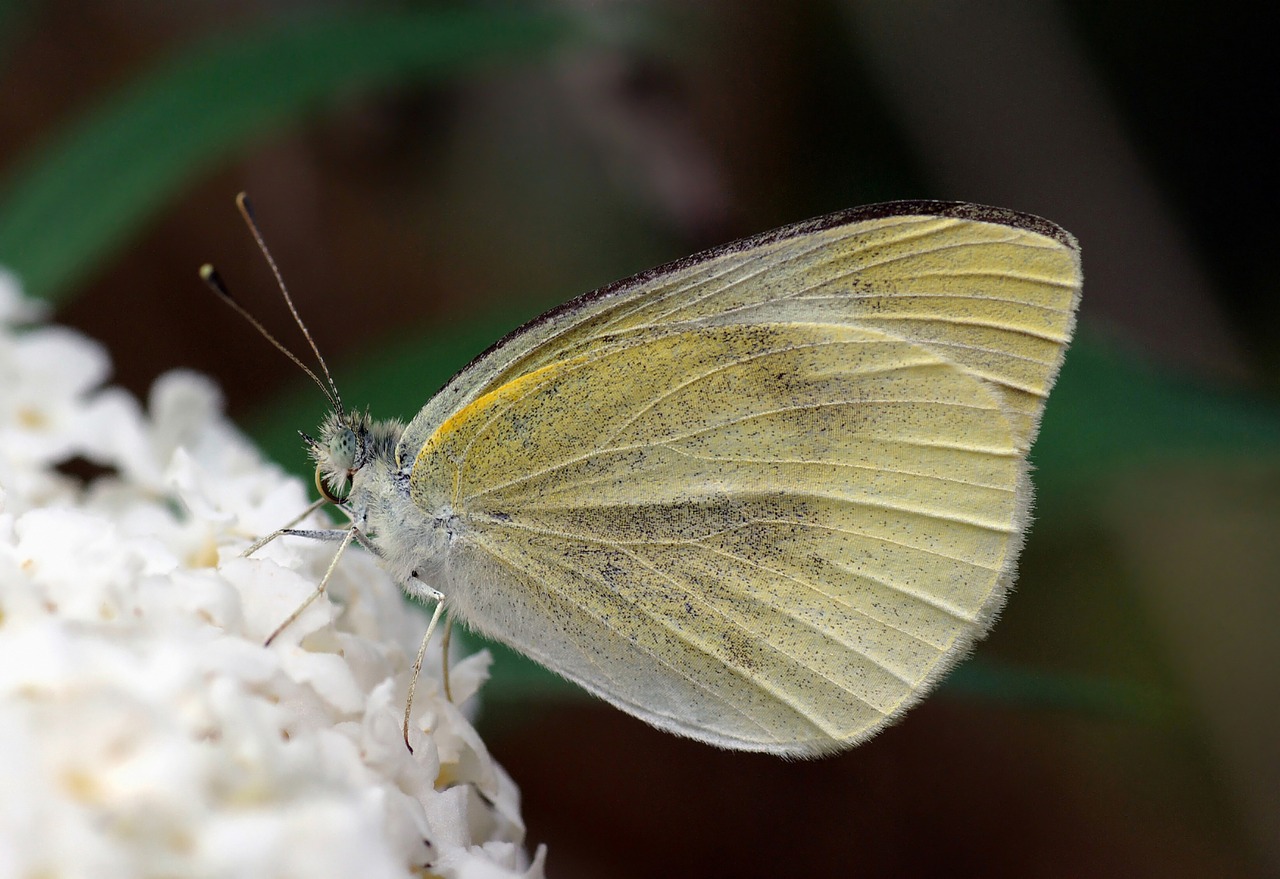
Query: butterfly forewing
[995, 291]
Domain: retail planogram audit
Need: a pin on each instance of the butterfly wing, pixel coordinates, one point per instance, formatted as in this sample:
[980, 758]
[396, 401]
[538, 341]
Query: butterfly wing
[993, 289]
[766, 496]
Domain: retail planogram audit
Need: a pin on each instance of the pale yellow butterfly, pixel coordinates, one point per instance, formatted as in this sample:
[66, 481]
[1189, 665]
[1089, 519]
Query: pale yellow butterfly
[765, 496]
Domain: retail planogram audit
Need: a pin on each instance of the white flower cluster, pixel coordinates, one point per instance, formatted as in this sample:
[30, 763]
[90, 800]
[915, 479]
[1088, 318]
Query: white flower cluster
[144, 728]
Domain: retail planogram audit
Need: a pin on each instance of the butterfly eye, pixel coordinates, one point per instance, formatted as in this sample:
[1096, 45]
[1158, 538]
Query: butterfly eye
[323, 487]
[343, 448]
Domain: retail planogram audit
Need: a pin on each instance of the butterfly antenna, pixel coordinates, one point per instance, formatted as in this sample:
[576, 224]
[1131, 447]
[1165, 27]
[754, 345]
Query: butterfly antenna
[214, 282]
[246, 211]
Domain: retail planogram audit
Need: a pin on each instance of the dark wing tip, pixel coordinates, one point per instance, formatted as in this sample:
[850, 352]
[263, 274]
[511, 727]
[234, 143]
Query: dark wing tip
[922, 208]
[962, 210]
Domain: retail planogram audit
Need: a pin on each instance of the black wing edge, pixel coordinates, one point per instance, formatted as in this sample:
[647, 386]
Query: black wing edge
[922, 207]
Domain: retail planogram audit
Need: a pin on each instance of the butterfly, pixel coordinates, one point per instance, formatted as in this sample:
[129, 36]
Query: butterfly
[765, 496]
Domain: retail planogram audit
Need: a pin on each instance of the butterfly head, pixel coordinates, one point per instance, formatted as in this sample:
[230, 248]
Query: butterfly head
[340, 451]
[346, 444]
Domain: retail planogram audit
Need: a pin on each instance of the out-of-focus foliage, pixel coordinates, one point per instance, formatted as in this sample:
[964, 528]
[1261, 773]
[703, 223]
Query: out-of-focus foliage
[66, 207]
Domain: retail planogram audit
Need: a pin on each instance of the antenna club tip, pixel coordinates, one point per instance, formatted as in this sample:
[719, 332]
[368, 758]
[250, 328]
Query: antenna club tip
[210, 276]
[242, 202]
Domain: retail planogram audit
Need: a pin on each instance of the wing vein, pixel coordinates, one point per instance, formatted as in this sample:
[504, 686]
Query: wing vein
[957, 518]
[686, 541]
[826, 404]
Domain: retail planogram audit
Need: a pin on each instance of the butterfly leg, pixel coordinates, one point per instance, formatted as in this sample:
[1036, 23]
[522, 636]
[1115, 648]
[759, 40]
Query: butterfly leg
[329, 534]
[280, 532]
[438, 597]
[444, 658]
[347, 536]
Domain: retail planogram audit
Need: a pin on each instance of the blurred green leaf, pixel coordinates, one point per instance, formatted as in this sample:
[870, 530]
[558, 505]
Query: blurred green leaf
[72, 202]
[1062, 692]
[1111, 411]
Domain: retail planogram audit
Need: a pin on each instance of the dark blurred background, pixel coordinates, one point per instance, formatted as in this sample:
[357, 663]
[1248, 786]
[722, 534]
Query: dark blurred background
[424, 195]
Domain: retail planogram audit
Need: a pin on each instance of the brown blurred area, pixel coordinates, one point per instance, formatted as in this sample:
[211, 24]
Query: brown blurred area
[517, 187]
